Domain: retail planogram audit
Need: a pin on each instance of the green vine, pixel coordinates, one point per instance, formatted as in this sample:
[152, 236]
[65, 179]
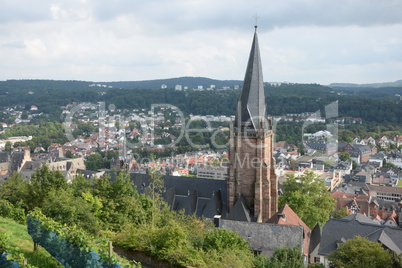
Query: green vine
[72, 234]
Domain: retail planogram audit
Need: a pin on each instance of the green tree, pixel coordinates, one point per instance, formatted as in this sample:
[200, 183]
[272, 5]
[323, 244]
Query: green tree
[42, 183]
[154, 192]
[389, 165]
[307, 195]
[69, 154]
[344, 156]
[120, 202]
[62, 206]
[339, 213]
[94, 162]
[354, 165]
[282, 258]
[360, 252]
[8, 146]
[15, 190]
[221, 239]
[80, 185]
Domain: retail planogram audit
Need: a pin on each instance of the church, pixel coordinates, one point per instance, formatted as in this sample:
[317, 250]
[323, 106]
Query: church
[247, 202]
[252, 178]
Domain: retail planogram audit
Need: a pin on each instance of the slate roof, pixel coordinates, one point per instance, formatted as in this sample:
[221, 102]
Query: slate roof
[16, 160]
[86, 173]
[4, 157]
[315, 238]
[239, 212]
[251, 106]
[336, 230]
[266, 237]
[363, 149]
[387, 189]
[286, 216]
[204, 197]
[386, 204]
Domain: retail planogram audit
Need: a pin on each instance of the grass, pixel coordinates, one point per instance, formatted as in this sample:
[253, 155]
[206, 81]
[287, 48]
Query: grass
[20, 238]
[399, 183]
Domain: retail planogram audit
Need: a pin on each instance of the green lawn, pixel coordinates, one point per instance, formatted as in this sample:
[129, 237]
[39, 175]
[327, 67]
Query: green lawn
[20, 238]
[399, 183]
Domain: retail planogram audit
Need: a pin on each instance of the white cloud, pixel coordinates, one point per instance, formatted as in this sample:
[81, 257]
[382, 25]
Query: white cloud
[300, 41]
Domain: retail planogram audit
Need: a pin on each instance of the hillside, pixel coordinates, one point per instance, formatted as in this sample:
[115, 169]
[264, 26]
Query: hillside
[20, 238]
[377, 90]
[372, 85]
[44, 85]
[190, 82]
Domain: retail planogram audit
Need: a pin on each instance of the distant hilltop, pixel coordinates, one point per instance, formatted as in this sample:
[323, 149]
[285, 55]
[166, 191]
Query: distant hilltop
[373, 85]
[178, 83]
[190, 82]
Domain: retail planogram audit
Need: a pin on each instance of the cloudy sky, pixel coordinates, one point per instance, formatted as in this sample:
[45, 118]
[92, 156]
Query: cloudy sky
[301, 41]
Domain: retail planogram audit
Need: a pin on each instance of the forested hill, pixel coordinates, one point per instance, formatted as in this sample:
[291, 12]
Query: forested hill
[190, 82]
[378, 90]
[50, 95]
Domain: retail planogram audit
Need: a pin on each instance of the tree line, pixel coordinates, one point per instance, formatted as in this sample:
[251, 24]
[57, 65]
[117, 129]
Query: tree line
[287, 98]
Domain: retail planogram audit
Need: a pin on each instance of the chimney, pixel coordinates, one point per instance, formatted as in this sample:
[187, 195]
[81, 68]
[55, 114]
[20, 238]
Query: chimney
[282, 216]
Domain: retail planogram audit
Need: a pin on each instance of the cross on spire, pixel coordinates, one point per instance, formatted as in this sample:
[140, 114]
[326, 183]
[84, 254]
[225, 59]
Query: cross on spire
[256, 21]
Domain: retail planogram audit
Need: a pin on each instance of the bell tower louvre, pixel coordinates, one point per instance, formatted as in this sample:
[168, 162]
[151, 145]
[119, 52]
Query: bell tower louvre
[252, 178]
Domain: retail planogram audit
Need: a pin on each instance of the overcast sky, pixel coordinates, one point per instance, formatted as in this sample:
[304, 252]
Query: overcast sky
[301, 41]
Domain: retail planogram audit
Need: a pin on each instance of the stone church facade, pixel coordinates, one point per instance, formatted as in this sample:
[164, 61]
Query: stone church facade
[252, 178]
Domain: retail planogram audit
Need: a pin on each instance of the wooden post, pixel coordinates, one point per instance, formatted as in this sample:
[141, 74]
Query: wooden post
[35, 246]
[25, 262]
[110, 249]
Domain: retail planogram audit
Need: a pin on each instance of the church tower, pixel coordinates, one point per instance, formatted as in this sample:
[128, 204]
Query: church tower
[252, 178]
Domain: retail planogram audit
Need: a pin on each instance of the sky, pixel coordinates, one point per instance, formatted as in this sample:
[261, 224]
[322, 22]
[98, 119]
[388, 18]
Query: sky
[301, 41]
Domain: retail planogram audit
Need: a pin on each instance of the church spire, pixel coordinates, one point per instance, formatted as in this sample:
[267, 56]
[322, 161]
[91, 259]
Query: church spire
[251, 114]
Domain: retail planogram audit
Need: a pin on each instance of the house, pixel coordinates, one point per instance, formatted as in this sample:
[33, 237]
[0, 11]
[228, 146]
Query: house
[213, 172]
[363, 178]
[377, 158]
[397, 140]
[345, 167]
[354, 203]
[368, 140]
[13, 162]
[395, 157]
[383, 141]
[385, 192]
[336, 231]
[68, 167]
[358, 153]
[382, 179]
[320, 146]
[265, 238]
[286, 216]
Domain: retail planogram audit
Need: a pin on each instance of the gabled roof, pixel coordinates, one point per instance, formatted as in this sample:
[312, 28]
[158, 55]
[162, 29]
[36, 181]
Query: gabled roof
[239, 212]
[202, 197]
[286, 216]
[356, 224]
[266, 237]
[251, 110]
[315, 238]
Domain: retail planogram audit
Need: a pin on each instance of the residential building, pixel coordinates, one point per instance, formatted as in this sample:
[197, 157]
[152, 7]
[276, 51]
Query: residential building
[212, 172]
[336, 231]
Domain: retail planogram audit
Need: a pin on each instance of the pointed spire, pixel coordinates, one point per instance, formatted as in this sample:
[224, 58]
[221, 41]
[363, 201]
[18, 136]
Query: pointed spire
[251, 112]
